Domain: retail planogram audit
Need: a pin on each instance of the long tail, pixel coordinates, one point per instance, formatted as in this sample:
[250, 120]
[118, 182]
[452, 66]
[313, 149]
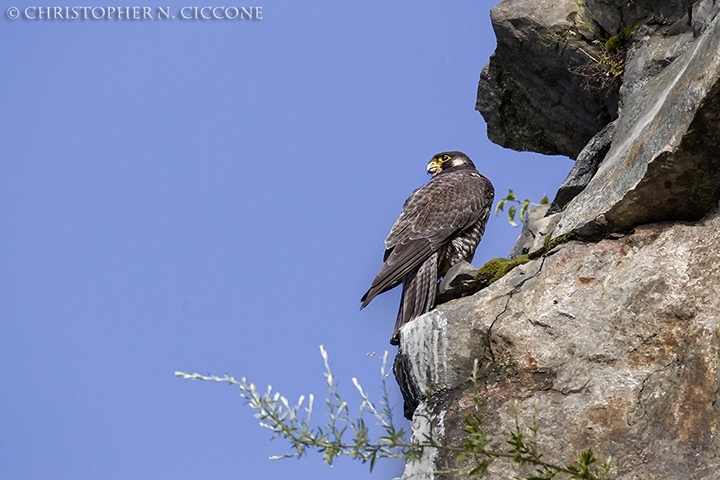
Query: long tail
[418, 294]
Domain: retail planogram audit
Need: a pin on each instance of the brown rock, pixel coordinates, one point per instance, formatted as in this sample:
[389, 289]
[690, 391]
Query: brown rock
[616, 344]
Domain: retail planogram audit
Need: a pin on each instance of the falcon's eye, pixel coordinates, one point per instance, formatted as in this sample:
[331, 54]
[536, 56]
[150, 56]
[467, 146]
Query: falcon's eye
[445, 158]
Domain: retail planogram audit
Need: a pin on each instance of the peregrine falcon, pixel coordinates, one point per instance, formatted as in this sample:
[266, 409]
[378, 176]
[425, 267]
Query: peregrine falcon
[441, 223]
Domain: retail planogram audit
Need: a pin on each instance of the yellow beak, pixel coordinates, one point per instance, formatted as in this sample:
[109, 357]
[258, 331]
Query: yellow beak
[434, 167]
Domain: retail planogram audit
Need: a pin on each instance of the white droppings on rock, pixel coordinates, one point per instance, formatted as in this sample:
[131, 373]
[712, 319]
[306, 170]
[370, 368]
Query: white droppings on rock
[424, 341]
[424, 467]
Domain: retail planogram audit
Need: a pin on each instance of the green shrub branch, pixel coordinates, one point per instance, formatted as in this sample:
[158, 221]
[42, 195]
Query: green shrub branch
[343, 434]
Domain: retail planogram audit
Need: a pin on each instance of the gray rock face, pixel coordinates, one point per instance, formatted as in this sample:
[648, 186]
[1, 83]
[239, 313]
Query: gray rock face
[534, 231]
[650, 55]
[613, 15]
[703, 12]
[662, 164]
[460, 281]
[616, 343]
[585, 167]
[527, 93]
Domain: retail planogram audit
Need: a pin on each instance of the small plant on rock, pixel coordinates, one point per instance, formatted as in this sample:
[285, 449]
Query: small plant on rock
[343, 434]
[607, 65]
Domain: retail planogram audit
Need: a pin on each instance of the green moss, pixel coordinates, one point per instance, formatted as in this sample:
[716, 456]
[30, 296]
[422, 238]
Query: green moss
[619, 40]
[549, 243]
[612, 43]
[496, 268]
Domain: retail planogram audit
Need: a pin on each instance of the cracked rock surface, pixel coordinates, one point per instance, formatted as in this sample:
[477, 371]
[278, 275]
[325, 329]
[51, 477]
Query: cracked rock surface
[646, 144]
[662, 164]
[527, 92]
[615, 343]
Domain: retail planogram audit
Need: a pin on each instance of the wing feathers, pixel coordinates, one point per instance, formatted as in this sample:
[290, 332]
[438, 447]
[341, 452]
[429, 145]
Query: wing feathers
[402, 260]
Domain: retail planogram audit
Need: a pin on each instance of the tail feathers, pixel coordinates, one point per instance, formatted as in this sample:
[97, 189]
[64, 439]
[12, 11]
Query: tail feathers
[418, 294]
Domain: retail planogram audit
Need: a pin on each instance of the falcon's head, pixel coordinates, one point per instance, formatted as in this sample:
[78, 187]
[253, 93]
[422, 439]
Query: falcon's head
[443, 161]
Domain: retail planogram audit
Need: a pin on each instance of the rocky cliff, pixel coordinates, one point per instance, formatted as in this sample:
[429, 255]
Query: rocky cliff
[611, 332]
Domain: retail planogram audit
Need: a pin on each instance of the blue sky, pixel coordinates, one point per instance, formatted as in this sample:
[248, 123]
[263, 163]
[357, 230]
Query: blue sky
[212, 197]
